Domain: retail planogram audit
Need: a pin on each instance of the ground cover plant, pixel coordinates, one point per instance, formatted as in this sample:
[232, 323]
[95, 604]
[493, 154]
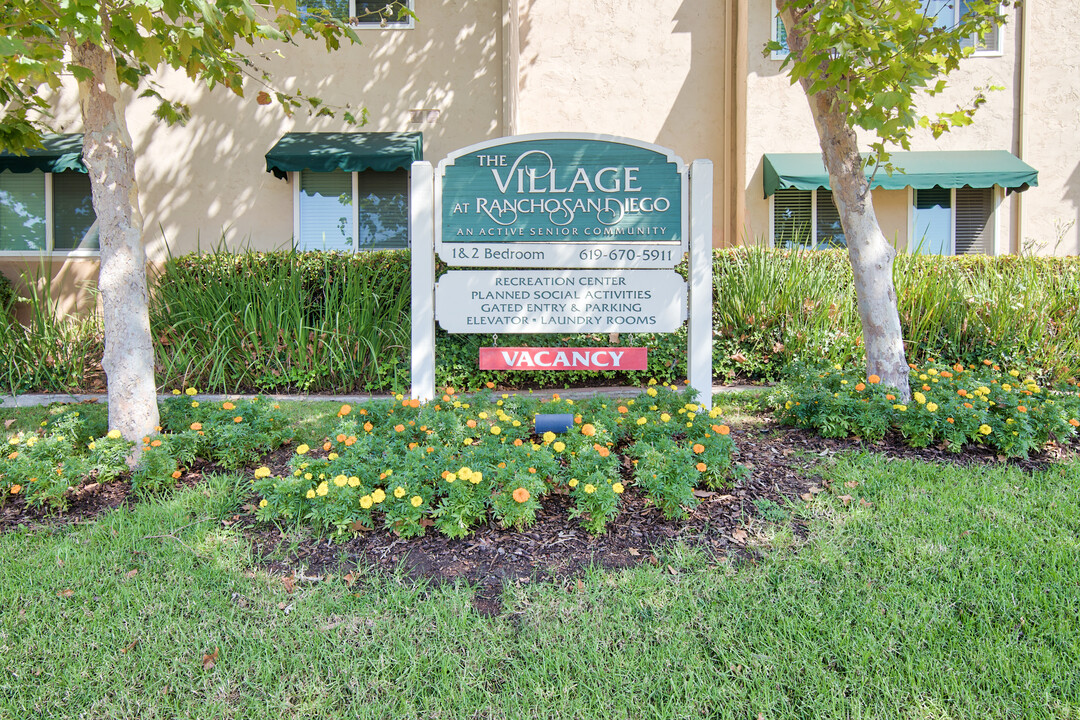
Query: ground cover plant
[918, 584]
[954, 405]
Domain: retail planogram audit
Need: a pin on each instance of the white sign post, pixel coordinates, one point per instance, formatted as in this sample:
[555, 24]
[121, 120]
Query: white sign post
[575, 202]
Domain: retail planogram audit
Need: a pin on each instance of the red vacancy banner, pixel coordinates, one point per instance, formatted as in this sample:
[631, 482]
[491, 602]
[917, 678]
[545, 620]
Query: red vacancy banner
[563, 358]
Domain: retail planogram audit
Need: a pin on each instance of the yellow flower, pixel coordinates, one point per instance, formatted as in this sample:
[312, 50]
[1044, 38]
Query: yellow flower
[641, 420]
[467, 441]
[451, 477]
[175, 391]
[366, 502]
[1014, 373]
[322, 489]
[378, 495]
[495, 429]
[416, 501]
[665, 417]
[901, 408]
[310, 494]
[262, 472]
[589, 488]
[617, 488]
[92, 445]
[549, 437]
[190, 391]
[919, 398]
[354, 481]
[482, 415]
[652, 381]
[476, 477]
[399, 492]
[308, 476]
[332, 456]
[263, 503]
[931, 407]
[985, 430]
[341, 480]
[558, 446]
[651, 392]
[302, 449]
[194, 403]
[114, 435]
[572, 483]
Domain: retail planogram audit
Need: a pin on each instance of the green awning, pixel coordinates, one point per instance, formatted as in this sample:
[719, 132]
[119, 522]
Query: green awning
[920, 170]
[351, 152]
[57, 153]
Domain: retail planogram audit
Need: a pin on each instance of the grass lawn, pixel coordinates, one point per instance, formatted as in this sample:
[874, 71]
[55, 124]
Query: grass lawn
[949, 593]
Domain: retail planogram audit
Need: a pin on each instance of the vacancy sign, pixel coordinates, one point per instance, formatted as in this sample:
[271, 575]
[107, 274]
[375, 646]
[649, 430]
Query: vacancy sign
[563, 358]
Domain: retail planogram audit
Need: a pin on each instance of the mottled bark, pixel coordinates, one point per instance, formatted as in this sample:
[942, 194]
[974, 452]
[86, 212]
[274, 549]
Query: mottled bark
[107, 150]
[870, 253]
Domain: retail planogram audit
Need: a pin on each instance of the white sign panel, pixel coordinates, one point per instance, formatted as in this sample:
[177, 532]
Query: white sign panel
[556, 301]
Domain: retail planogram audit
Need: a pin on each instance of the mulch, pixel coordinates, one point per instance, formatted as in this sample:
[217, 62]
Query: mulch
[781, 464]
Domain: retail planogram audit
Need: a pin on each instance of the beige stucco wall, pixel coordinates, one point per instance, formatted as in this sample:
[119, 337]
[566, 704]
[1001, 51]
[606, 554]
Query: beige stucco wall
[651, 71]
[779, 120]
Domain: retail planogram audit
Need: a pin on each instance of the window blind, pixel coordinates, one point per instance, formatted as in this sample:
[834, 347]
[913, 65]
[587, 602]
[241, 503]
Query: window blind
[792, 218]
[974, 207]
[382, 198]
[22, 211]
[325, 211]
[74, 222]
[830, 233]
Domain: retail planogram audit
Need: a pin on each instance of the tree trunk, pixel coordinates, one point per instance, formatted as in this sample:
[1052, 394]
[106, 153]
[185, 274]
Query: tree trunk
[107, 150]
[870, 253]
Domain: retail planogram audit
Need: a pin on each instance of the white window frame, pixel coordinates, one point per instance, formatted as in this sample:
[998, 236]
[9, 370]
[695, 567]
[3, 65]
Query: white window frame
[994, 224]
[294, 180]
[407, 24]
[813, 218]
[50, 233]
[774, 35]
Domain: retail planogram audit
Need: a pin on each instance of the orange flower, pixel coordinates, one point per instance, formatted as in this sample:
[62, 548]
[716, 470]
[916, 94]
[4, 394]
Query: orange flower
[239, 419]
[1021, 408]
[196, 426]
[926, 388]
[532, 470]
[176, 475]
[155, 443]
[228, 406]
[489, 385]
[368, 426]
[345, 410]
[946, 374]
[413, 445]
[987, 363]
[724, 430]
[700, 467]
[517, 442]
[588, 430]
[950, 420]
[521, 495]
[471, 423]
[362, 411]
[968, 405]
[962, 392]
[958, 368]
[603, 451]
[340, 437]
[502, 465]
[623, 409]
[698, 448]
[873, 379]
[860, 387]
[1074, 422]
[399, 428]
[890, 396]
[15, 489]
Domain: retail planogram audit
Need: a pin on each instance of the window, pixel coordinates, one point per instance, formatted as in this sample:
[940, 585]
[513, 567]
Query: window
[945, 13]
[348, 212]
[953, 221]
[806, 219]
[47, 212]
[360, 13]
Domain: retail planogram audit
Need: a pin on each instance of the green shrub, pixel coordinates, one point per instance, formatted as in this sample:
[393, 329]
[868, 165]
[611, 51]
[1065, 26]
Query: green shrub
[955, 405]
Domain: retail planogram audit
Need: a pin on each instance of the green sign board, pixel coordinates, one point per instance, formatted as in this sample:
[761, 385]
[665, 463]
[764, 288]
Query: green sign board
[561, 200]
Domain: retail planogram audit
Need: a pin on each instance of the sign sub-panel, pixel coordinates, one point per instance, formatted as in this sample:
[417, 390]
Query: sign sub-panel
[564, 358]
[554, 301]
[561, 201]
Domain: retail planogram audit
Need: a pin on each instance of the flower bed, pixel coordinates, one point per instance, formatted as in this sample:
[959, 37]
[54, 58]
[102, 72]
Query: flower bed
[954, 405]
[453, 463]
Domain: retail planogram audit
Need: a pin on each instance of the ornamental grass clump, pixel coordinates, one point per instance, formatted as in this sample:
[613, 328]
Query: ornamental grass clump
[955, 405]
[458, 462]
